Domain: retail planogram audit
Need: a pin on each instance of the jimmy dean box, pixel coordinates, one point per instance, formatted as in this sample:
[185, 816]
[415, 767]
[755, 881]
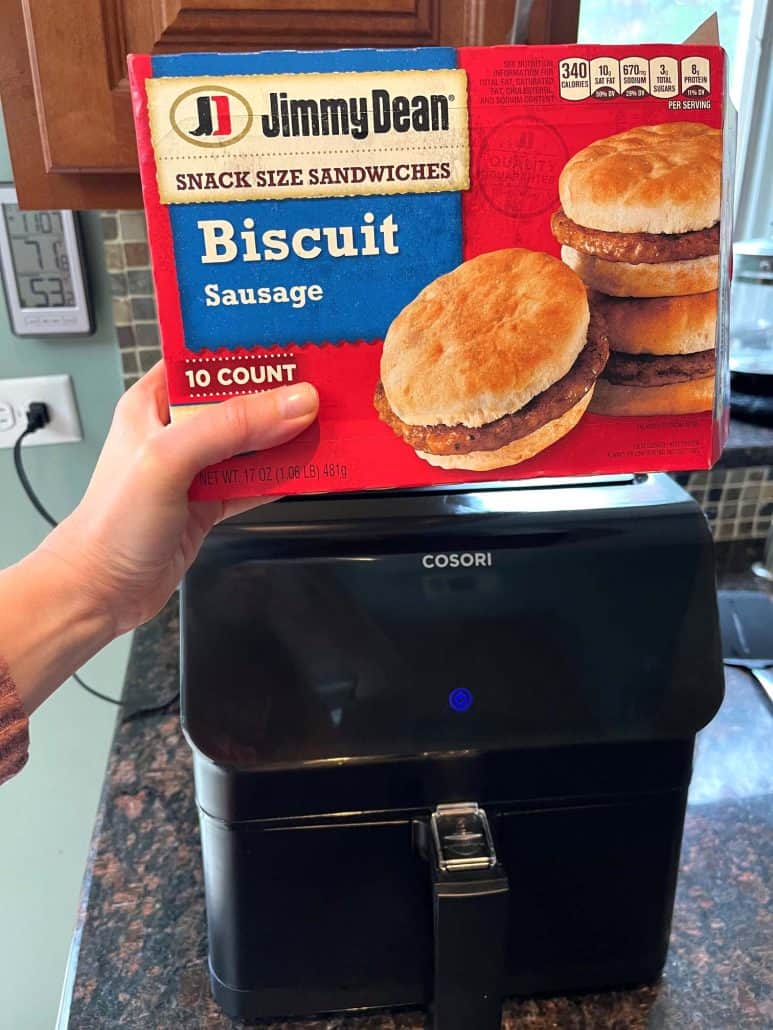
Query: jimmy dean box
[494, 263]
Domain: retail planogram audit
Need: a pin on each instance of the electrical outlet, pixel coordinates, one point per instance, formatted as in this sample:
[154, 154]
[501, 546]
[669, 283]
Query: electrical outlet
[16, 395]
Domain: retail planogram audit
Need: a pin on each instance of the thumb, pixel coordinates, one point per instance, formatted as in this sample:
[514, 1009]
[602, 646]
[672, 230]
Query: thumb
[252, 422]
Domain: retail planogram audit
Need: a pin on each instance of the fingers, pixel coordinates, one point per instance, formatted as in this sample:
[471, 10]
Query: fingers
[252, 422]
[146, 404]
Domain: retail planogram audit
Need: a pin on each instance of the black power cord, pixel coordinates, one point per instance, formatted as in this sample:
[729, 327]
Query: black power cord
[39, 416]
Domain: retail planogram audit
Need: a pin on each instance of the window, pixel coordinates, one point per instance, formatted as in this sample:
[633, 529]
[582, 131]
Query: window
[745, 30]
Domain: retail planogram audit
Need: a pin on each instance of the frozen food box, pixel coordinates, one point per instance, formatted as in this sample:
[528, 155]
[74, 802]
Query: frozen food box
[493, 263]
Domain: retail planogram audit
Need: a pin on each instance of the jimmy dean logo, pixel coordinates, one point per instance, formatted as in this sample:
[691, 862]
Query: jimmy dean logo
[310, 134]
[211, 116]
[379, 112]
[222, 109]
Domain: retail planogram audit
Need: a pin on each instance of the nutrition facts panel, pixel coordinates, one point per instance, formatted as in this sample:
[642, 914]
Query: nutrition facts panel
[606, 78]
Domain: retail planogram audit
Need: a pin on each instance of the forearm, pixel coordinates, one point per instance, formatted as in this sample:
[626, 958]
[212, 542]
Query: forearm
[49, 625]
[114, 562]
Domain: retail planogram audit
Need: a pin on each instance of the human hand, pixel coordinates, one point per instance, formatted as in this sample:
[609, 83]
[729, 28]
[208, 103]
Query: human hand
[135, 533]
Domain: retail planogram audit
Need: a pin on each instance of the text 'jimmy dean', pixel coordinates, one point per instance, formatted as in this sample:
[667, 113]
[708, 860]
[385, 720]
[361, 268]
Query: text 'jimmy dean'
[269, 137]
[357, 117]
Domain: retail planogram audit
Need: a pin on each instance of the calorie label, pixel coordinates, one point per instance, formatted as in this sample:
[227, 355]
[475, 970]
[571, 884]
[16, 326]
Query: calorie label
[574, 79]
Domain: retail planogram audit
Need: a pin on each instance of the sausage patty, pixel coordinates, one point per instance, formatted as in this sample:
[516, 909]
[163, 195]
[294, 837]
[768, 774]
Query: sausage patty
[658, 370]
[635, 248]
[543, 408]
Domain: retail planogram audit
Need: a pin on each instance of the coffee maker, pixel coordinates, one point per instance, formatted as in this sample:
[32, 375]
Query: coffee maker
[442, 741]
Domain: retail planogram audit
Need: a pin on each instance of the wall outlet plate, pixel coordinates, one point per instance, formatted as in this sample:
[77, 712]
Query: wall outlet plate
[57, 392]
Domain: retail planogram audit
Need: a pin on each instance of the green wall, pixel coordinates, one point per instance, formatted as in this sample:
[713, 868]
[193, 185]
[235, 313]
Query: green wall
[59, 473]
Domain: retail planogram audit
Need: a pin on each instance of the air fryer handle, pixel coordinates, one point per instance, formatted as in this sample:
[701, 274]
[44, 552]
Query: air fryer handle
[470, 922]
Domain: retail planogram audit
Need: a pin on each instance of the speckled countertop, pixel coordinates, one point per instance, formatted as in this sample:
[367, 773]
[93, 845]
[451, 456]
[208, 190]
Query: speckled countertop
[139, 952]
[747, 444]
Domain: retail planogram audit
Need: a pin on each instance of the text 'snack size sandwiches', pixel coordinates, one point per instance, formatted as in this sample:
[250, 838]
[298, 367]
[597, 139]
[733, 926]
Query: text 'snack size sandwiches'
[493, 263]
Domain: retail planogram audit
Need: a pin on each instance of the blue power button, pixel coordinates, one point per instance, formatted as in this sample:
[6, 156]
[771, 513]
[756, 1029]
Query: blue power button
[460, 699]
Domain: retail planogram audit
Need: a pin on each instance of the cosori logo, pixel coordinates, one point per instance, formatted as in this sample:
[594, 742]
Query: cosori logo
[457, 560]
[211, 116]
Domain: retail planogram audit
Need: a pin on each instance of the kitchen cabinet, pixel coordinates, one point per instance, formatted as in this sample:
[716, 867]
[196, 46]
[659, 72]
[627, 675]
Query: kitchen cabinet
[63, 75]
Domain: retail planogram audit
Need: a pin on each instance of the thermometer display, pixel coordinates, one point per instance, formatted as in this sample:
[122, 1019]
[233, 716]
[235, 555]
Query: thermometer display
[40, 259]
[43, 274]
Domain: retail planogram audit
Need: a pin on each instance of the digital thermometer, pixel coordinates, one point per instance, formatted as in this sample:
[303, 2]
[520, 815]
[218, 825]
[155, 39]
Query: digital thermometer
[43, 272]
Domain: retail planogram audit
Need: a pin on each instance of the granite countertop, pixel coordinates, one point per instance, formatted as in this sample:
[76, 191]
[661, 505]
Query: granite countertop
[747, 444]
[139, 951]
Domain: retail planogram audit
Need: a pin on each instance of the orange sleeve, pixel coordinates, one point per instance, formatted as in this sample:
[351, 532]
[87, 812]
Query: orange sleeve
[14, 727]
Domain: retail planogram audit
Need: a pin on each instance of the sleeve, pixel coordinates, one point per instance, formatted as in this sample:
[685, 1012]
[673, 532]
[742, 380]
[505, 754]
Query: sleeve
[14, 727]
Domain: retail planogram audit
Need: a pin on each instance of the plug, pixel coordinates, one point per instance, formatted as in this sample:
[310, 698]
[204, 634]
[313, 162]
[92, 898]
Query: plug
[38, 416]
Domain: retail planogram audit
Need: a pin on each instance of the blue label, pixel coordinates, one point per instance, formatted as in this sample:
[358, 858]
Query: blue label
[300, 282]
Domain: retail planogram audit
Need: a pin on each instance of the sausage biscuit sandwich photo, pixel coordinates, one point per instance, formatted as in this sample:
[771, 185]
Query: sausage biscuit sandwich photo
[493, 362]
[639, 212]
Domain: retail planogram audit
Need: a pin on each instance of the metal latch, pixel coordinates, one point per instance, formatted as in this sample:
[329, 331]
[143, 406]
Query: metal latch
[462, 837]
[470, 902]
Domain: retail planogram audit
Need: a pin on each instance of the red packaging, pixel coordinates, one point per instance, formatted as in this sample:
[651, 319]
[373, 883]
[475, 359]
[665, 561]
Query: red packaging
[493, 263]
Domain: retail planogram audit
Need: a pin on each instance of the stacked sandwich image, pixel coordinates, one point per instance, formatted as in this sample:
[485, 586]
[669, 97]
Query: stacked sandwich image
[639, 223]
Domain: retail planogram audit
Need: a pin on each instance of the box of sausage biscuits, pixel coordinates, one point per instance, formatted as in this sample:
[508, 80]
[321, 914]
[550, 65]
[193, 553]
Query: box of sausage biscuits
[493, 263]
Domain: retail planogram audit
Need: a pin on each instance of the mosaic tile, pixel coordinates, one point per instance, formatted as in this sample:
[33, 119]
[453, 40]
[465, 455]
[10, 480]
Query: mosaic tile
[133, 226]
[148, 358]
[126, 339]
[129, 362]
[146, 334]
[136, 255]
[143, 309]
[139, 281]
[118, 284]
[109, 226]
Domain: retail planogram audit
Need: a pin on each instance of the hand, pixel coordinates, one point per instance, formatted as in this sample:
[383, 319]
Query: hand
[135, 533]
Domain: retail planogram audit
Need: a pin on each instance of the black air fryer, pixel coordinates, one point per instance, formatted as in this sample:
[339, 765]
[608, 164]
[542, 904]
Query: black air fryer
[442, 742]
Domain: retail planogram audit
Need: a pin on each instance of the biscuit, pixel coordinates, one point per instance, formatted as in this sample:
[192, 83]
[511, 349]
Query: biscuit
[660, 325]
[481, 341]
[540, 410]
[621, 279]
[650, 179]
[672, 399]
[517, 451]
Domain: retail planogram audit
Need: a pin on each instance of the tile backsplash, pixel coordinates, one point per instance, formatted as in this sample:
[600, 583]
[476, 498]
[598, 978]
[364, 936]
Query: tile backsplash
[134, 307]
[738, 501]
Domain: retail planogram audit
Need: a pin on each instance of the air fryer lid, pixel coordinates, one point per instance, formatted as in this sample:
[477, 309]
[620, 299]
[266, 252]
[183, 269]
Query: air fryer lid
[309, 643]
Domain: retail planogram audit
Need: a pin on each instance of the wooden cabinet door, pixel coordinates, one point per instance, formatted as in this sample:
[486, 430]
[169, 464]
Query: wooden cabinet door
[63, 70]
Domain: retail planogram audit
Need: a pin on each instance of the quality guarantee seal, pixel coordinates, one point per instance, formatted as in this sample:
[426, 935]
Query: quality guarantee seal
[519, 165]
